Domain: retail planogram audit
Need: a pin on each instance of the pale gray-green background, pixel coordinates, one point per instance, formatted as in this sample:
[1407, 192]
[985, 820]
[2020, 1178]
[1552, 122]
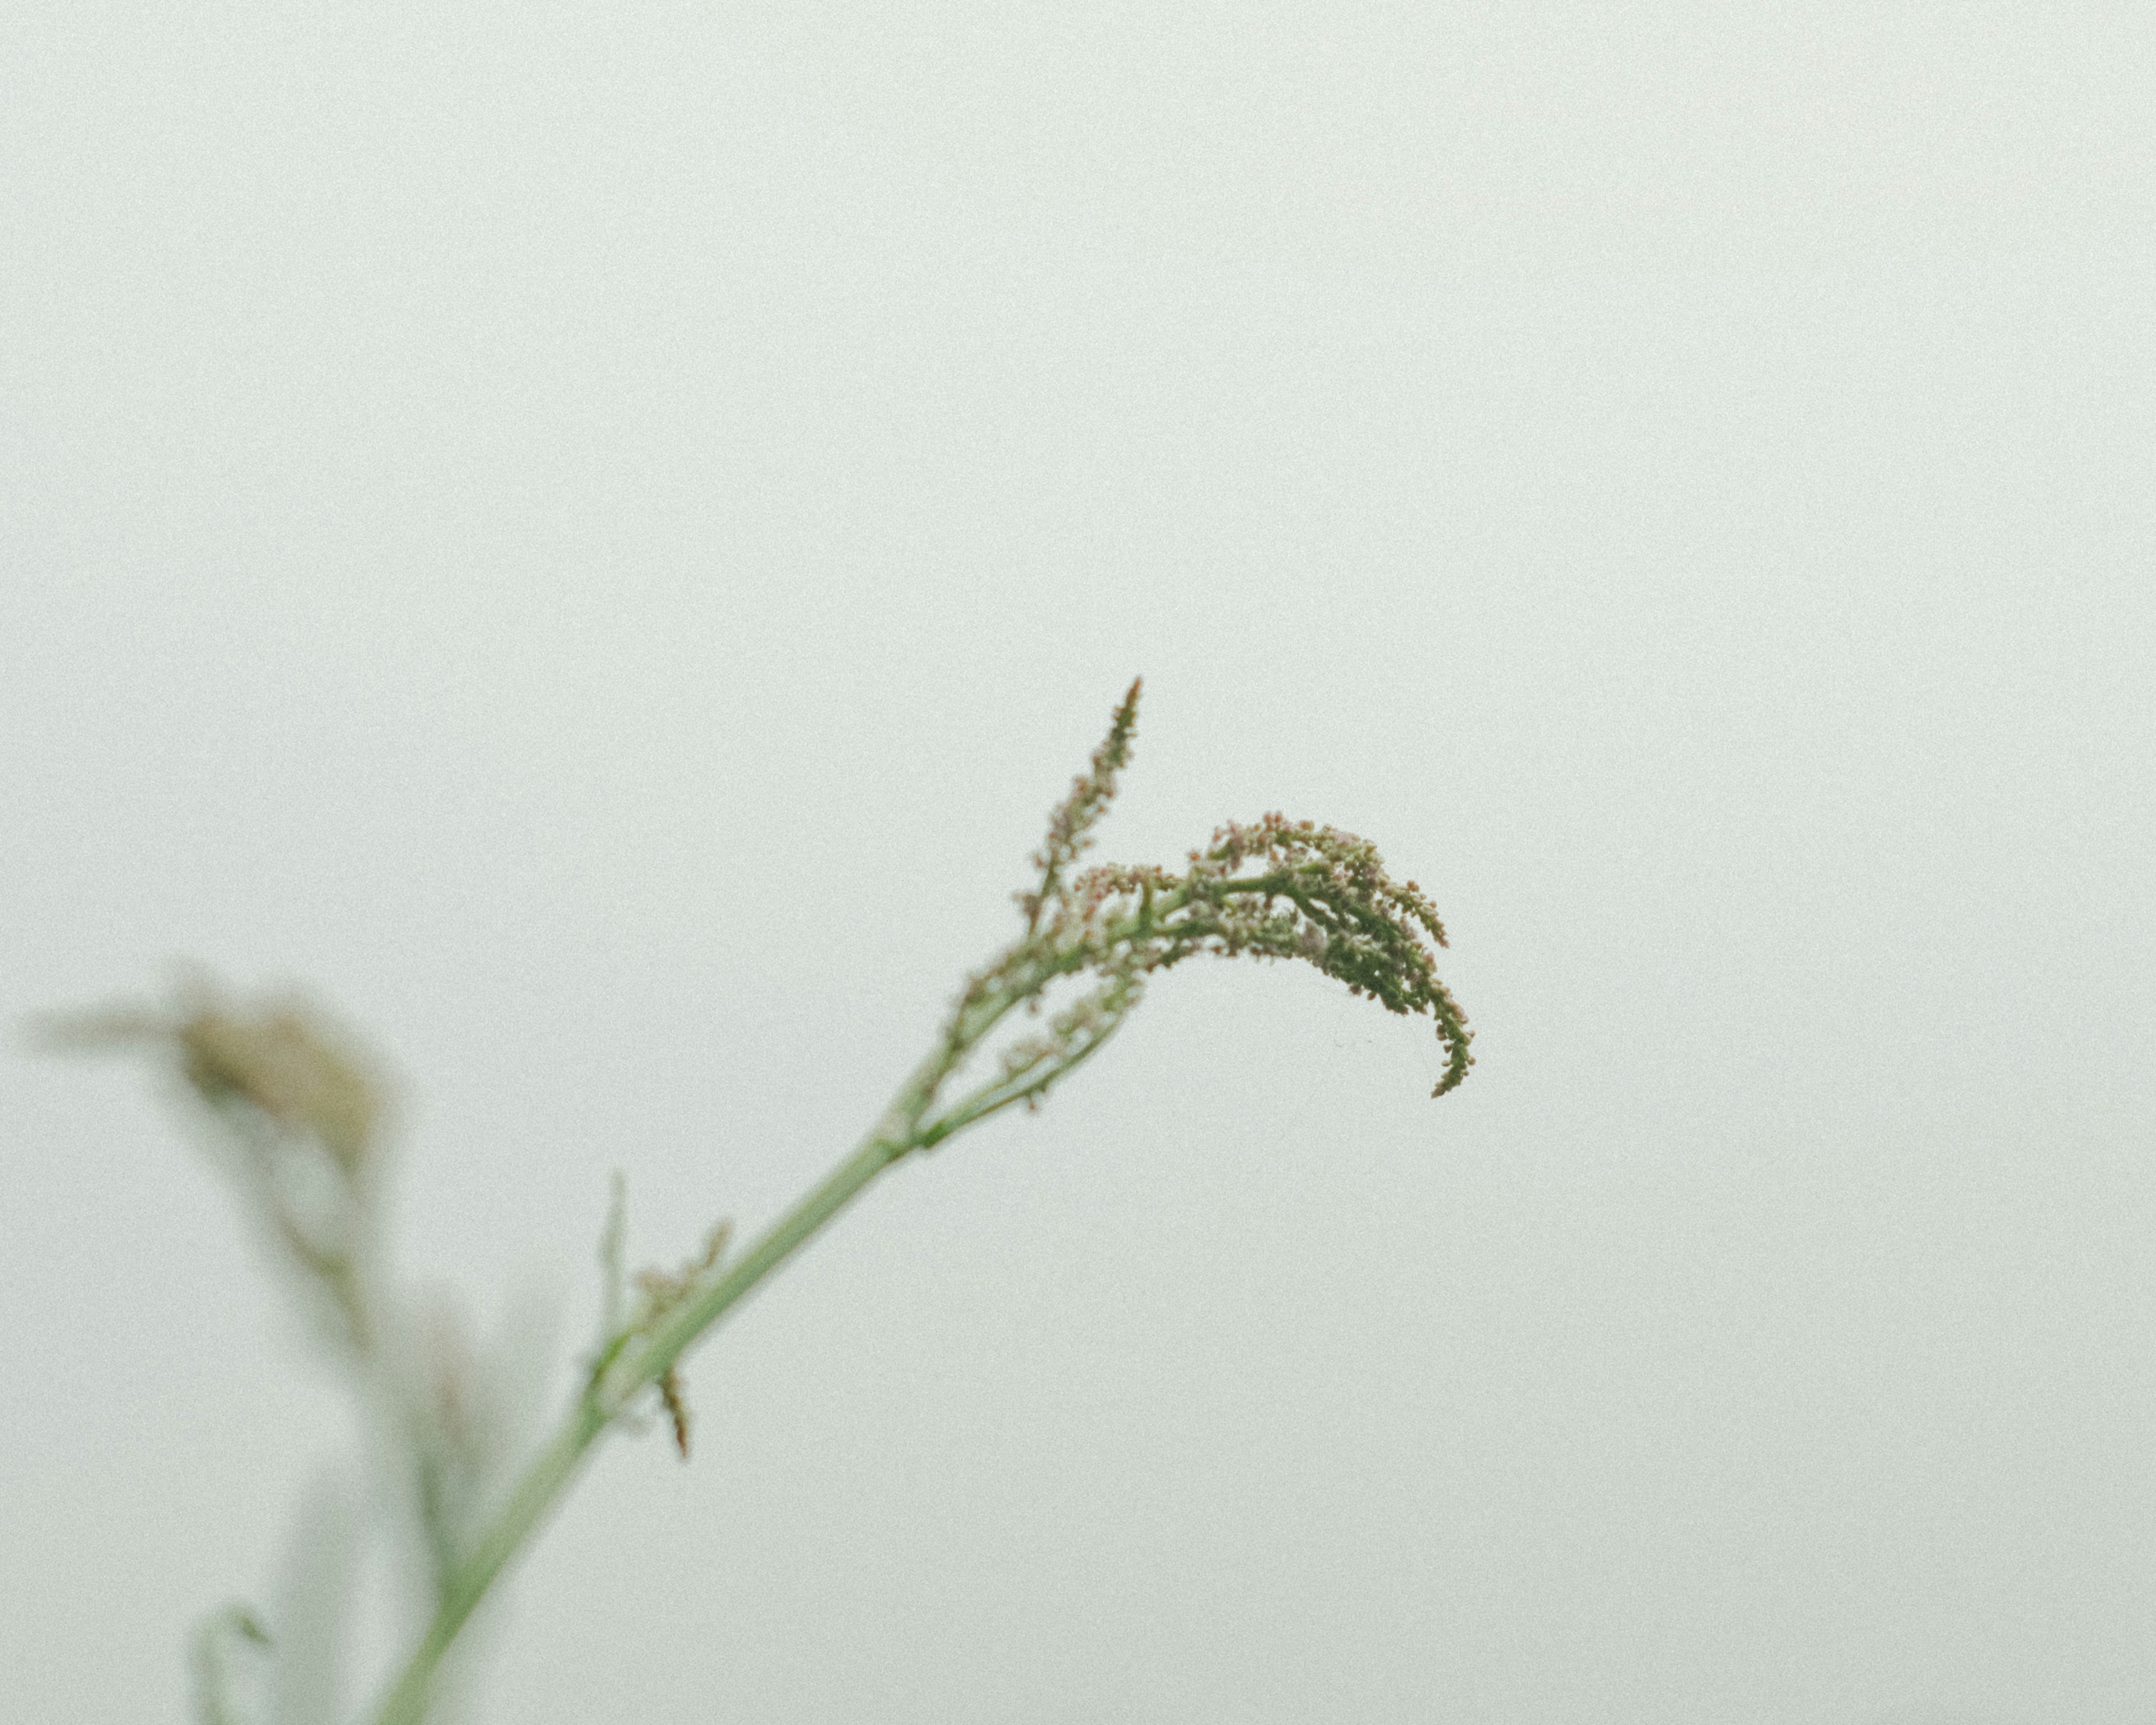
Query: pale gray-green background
[593, 535]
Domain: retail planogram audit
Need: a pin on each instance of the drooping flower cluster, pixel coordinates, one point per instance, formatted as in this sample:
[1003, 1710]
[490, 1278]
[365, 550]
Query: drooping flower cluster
[1318, 894]
[1313, 893]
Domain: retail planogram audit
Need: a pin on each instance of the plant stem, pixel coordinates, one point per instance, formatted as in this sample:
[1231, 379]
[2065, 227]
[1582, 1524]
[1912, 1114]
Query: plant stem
[620, 1373]
[550, 1473]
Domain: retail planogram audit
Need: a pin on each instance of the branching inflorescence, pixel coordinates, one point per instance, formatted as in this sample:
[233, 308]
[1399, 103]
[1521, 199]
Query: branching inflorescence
[303, 1112]
[1316, 894]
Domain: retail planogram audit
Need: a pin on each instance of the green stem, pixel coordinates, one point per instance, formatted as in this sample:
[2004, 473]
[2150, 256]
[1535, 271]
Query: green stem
[550, 1474]
[612, 1387]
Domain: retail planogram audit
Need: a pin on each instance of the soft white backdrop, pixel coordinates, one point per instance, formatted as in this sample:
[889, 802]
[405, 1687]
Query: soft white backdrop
[593, 535]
